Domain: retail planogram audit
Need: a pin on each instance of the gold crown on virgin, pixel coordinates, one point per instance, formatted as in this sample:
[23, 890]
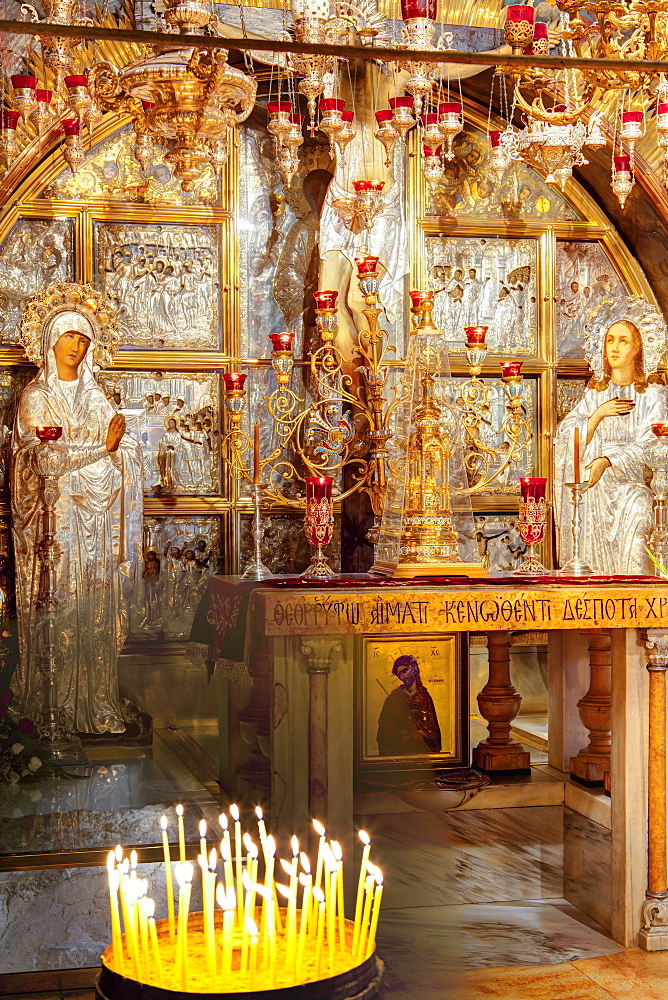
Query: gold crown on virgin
[69, 296]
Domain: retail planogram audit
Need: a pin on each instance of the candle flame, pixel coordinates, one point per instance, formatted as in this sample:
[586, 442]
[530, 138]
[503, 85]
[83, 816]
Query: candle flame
[222, 819]
[213, 859]
[119, 853]
[234, 810]
[285, 890]
[289, 867]
[258, 812]
[364, 837]
[247, 841]
[319, 828]
[306, 864]
[252, 850]
[110, 861]
[328, 858]
[163, 822]
[183, 873]
[319, 895]
[202, 828]
[246, 880]
[379, 877]
[201, 861]
[305, 879]
[114, 880]
[270, 846]
[336, 850]
[251, 927]
[125, 866]
[263, 891]
[225, 850]
[133, 859]
[179, 810]
[149, 907]
[226, 897]
[295, 846]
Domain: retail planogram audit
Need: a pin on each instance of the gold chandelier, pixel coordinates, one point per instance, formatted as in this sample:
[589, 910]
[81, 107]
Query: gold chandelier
[183, 97]
[567, 111]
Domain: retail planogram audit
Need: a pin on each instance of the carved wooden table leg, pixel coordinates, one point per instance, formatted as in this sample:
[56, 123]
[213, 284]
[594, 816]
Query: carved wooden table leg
[499, 703]
[592, 762]
[653, 935]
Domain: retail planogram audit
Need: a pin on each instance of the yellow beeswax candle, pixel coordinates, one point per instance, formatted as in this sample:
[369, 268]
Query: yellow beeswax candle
[182, 833]
[234, 811]
[319, 898]
[364, 837]
[116, 940]
[375, 913]
[169, 885]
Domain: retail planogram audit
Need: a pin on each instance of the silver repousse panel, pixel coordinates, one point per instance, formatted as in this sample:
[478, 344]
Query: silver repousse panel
[164, 281]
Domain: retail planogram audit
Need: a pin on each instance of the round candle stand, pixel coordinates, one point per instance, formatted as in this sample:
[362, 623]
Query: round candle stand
[256, 569]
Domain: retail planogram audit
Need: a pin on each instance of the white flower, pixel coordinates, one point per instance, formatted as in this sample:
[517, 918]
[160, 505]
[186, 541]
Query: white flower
[14, 777]
[34, 764]
[17, 748]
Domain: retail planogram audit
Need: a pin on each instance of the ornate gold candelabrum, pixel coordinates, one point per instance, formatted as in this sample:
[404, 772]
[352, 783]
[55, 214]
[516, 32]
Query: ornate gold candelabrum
[49, 462]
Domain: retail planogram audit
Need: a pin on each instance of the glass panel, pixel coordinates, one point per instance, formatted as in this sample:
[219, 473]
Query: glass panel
[469, 190]
[34, 253]
[496, 542]
[179, 555]
[174, 416]
[484, 281]
[165, 281]
[585, 276]
[285, 549]
[111, 172]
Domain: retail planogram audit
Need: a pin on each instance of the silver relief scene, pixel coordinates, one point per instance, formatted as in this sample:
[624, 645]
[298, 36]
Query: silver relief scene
[180, 553]
[585, 276]
[489, 282]
[174, 416]
[164, 281]
[35, 253]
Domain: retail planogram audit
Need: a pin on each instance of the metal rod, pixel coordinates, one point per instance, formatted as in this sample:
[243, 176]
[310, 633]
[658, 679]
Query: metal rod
[368, 53]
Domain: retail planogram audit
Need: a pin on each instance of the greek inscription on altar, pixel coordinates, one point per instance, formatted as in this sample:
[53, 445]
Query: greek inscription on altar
[637, 607]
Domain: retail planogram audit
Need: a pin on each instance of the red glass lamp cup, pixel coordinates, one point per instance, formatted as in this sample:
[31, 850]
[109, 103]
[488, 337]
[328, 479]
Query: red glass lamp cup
[532, 488]
[418, 8]
[475, 335]
[622, 164]
[49, 433]
[281, 341]
[511, 369]
[418, 296]
[366, 265]
[234, 381]
[660, 430]
[326, 299]
[518, 27]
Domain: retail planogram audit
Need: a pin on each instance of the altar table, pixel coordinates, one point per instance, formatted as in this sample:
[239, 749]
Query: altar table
[607, 659]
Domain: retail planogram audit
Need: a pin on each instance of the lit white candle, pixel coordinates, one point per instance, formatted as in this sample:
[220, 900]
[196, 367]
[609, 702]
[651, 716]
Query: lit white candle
[340, 899]
[375, 913]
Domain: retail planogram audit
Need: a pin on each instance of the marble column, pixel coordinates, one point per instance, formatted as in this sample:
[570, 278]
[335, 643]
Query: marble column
[592, 762]
[653, 935]
[318, 655]
[499, 704]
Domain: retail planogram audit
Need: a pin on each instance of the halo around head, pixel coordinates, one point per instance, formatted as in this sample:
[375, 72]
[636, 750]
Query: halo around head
[95, 309]
[646, 317]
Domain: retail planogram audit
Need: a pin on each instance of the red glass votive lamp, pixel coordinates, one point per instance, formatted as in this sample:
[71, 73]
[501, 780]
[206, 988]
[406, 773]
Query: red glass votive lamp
[281, 341]
[450, 108]
[326, 299]
[10, 119]
[418, 8]
[400, 102]
[418, 296]
[475, 335]
[532, 488]
[44, 96]
[362, 185]
[495, 139]
[71, 126]
[540, 45]
[518, 26]
[347, 116]
[384, 116]
[622, 164]
[75, 81]
[431, 150]
[511, 369]
[366, 265]
[376, 185]
[319, 488]
[662, 114]
[660, 430]
[234, 381]
[21, 81]
[279, 107]
[49, 433]
[329, 104]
